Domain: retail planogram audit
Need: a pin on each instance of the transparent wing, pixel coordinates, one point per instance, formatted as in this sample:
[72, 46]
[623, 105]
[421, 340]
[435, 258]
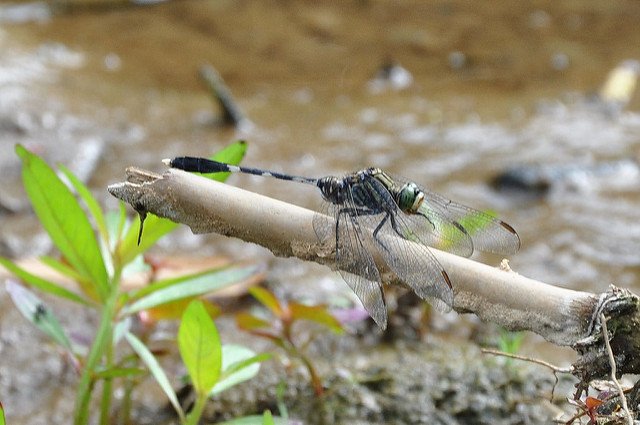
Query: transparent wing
[460, 229]
[433, 229]
[487, 232]
[413, 262]
[353, 259]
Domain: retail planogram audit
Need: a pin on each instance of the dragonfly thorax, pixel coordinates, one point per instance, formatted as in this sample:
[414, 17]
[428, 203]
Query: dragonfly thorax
[409, 198]
[333, 189]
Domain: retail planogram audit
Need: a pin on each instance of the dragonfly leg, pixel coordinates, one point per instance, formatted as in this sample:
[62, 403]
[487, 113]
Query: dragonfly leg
[377, 229]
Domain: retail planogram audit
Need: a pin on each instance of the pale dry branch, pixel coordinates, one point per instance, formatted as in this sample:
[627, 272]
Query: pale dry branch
[560, 315]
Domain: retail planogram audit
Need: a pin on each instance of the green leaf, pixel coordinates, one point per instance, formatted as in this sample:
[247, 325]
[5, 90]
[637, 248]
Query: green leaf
[61, 268]
[115, 221]
[157, 372]
[267, 418]
[120, 330]
[232, 154]
[317, 314]
[42, 284]
[1, 414]
[154, 229]
[36, 311]
[120, 372]
[267, 299]
[163, 292]
[239, 364]
[200, 349]
[510, 342]
[89, 200]
[64, 220]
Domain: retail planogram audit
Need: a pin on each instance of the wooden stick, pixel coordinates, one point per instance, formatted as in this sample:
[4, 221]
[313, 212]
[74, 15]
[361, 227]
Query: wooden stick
[560, 315]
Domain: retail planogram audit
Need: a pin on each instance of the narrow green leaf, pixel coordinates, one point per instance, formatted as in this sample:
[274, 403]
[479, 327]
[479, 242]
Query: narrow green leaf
[122, 210]
[200, 349]
[42, 284]
[157, 372]
[61, 268]
[242, 364]
[267, 299]
[317, 314]
[63, 219]
[165, 283]
[120, 372]
[1, 414]
[239, 364]
[193, 286]
[37, 312]
[120, 330]
[90, 201]
[87, 287]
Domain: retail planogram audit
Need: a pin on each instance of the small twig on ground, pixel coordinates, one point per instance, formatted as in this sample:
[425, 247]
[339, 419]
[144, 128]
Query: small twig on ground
[612, 363]
[554, 368]
[528, 359]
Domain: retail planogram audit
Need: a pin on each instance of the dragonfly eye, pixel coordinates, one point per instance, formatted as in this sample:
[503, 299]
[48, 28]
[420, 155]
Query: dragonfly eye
[409, 197]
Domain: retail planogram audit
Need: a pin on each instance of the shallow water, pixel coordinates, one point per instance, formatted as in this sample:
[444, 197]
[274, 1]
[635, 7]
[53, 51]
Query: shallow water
[102, 88]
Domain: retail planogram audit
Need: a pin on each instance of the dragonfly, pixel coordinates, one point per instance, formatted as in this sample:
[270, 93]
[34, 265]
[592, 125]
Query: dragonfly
[370, 211]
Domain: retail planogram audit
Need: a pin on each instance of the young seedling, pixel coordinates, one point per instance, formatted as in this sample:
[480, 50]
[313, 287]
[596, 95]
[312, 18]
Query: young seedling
[281, 332]
[96, 261]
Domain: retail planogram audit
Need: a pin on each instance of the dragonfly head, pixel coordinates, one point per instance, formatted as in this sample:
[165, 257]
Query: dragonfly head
[410, 197]
[332, 189]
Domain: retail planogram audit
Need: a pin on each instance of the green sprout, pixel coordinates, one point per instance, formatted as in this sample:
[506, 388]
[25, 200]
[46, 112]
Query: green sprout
[96, 260]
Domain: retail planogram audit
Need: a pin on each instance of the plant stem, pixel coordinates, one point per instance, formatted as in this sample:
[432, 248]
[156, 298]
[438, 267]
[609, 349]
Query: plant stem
[107, 386]
[196, 412]
[315, 378]
[293, 350]
[87, 381]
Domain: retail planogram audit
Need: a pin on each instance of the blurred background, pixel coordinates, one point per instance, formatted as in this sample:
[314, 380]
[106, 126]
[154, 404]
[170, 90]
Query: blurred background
[498, 105]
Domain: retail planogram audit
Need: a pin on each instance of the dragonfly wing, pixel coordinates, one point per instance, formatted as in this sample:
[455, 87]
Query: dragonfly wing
[433, 229]
[413, 263]
[487, 232]
[324, 223]
[354, 261]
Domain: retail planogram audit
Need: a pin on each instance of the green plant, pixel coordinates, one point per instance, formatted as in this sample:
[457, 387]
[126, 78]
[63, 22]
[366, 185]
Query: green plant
[97, 262]
[1, 414]
[212, 367]
[281, 332]
[510, 342]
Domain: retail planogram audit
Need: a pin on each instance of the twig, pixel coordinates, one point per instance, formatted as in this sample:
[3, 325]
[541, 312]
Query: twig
[554, 368]
[528, 359]
[560, 315]
[612, 363]
[231, 112]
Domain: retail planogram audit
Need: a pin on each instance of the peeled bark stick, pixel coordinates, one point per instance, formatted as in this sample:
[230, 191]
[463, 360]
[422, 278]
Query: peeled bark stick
[562, 316]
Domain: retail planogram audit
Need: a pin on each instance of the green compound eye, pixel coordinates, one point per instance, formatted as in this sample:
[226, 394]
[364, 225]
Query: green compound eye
[408, 196]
